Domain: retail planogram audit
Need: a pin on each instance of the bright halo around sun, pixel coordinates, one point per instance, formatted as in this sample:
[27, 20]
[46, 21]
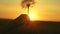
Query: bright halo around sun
[31, 16]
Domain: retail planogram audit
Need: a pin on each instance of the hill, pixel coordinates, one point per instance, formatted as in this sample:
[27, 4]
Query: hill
[23, 25]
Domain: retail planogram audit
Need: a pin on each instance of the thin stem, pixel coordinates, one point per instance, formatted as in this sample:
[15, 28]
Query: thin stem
[28, 10]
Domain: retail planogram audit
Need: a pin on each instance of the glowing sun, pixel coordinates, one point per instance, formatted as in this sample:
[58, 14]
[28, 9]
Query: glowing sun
[31, 16]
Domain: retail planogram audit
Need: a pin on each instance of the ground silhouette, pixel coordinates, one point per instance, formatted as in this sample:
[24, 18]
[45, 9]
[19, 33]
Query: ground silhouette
[23, 25]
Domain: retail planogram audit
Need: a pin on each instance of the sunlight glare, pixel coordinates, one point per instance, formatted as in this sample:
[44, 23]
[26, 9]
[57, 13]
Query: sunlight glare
[31, 16]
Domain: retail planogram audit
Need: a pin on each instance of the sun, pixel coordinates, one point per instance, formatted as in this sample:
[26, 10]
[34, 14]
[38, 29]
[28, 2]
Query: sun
[31, 16]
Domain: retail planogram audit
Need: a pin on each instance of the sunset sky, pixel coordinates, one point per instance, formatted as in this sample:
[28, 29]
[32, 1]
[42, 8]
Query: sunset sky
[47, 10]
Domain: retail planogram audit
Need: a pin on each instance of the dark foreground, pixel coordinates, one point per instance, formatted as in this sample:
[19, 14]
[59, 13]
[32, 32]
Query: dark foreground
[24, 26]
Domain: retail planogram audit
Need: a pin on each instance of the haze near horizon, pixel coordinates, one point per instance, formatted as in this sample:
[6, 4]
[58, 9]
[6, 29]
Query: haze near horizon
[47, 10]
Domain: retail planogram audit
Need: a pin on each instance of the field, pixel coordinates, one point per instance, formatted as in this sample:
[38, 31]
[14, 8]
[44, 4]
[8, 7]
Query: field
[22, 25]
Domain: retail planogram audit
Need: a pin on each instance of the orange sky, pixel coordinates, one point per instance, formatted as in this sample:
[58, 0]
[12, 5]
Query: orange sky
[48, 10]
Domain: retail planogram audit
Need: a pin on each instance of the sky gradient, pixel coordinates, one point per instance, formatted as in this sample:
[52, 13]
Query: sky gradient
[47, 10]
